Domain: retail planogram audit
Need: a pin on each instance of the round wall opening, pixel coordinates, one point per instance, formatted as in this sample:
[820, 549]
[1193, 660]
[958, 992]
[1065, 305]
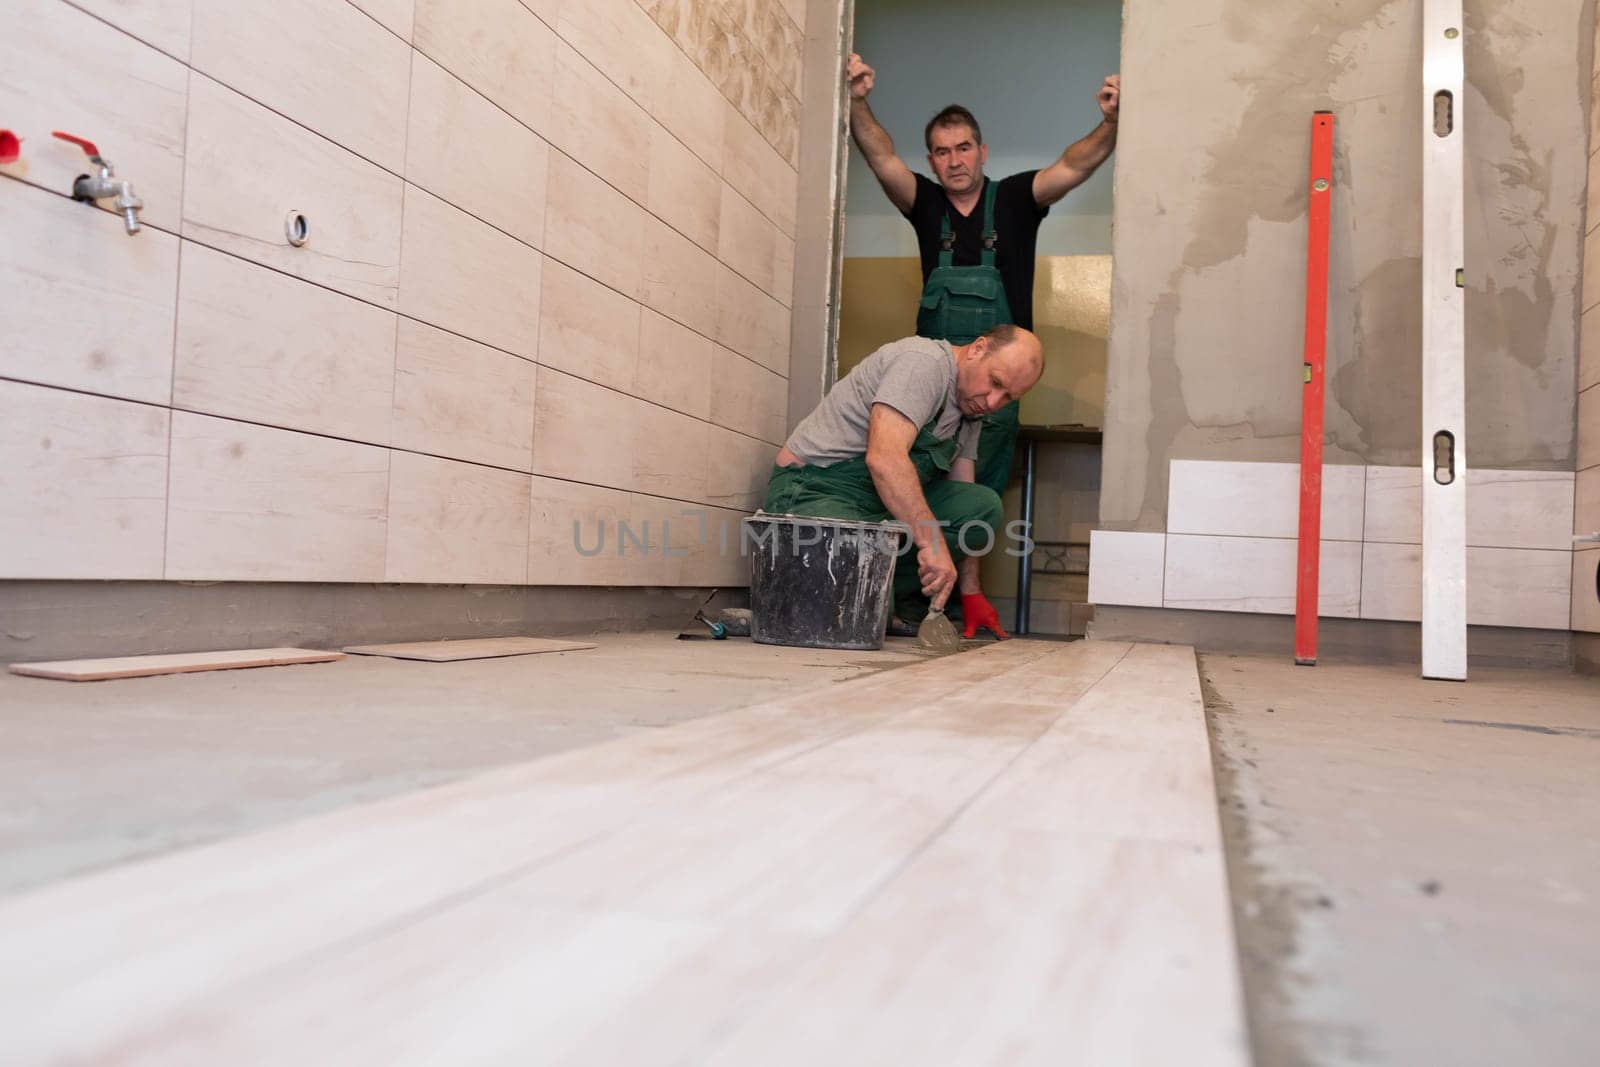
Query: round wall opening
[297, 228]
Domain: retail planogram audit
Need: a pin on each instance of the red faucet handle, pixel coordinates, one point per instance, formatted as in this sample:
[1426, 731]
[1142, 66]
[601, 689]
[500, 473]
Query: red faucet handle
[10, 146]
[88, 146]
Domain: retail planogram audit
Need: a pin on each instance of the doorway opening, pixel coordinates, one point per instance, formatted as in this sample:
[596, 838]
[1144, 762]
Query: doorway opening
[1028, 70]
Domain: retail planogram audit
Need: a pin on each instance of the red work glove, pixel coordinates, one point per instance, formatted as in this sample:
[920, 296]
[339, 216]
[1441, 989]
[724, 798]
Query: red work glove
[978, 613]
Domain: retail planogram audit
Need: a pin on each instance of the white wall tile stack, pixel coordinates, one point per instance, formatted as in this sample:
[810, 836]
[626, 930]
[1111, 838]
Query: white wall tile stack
[1231, 545]
[547, 280]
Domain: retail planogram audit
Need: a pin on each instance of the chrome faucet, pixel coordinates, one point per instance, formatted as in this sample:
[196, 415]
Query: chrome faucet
[105, 184]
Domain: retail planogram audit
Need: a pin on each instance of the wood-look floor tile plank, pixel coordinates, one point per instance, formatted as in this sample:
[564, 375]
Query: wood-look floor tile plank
[116, 955]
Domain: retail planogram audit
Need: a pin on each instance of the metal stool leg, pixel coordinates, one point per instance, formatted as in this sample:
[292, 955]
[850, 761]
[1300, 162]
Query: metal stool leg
[1025, 562]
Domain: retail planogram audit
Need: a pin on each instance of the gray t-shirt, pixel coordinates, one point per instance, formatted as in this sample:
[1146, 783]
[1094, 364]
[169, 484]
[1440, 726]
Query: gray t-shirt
[915, 376]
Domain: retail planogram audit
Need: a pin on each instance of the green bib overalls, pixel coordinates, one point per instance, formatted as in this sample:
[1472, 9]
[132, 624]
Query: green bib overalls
[959, 305]
[846, 491]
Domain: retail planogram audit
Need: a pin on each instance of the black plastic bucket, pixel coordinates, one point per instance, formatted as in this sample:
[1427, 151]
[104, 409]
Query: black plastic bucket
[820, 583]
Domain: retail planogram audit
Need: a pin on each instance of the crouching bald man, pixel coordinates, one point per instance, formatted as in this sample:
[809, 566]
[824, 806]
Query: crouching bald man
[897, 437]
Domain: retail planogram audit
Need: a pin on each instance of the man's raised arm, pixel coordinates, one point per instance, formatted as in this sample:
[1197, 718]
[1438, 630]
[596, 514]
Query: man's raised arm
[1082, 158]
[874, 141]
[890, 436]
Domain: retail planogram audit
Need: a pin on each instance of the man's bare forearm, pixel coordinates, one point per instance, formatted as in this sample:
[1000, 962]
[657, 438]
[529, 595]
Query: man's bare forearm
[1086, 154]
[870, 136]
[895, 478]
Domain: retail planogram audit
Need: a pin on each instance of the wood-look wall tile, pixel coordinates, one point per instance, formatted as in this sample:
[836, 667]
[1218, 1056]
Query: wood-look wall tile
[1586, 591]
[757, 170]
[749, 398]
[498, 47]
[674, 553]
[1126, 568]
[162, 24]
[397, 15]
[680, 278]
[587, 329]
[751, 322]
[327, 66]
[747, 240]
[1589, 344]
[1586, 502]
[669, 452]
[738, 469]
[1256, 574]
[461, 399]
[1518, 587]
[623, 42]
[466, 276]
[1589, 425]
[783, 271]
[454, 397]
[684, 190]
[1394, 505]
[1505, 509]
[1519, 509]
[248, 168]
[674, 366]
[582, 432]
[1391, 581]
[789, 62]
[1246, 499]
[718, 56]
[56, 260]
[573, 535]
[765, 105]
[788, 128]
[260, 346]
[83, 488]
[594, 229]
[796, 10]
[456, 522]
[465, 150]
[61, 69]
[598, 125]
[692, 108]
[255, 503]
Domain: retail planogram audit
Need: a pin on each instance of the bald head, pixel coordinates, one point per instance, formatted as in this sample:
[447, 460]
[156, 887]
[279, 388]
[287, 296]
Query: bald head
[997, 368]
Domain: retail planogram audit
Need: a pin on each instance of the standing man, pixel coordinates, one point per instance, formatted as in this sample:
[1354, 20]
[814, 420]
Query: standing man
[977, 236]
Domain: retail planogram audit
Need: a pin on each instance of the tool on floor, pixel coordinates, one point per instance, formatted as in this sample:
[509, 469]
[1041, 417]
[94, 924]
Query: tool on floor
[715, 629]
[937, 632]
[1312, 400]
[718, 631]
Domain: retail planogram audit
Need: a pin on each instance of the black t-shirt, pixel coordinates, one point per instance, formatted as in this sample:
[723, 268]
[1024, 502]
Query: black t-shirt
[1016, 222]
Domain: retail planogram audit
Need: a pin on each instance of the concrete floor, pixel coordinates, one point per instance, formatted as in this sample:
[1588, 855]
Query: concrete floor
[1415, 866]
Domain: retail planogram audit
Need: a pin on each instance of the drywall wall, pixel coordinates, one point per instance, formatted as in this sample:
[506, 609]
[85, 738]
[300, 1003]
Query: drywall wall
[547, 284]
[1209, 247]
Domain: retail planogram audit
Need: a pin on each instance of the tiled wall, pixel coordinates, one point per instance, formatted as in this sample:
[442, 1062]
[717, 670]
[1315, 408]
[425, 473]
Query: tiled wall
[1231, 545]
[1586, 510]
[547, 282]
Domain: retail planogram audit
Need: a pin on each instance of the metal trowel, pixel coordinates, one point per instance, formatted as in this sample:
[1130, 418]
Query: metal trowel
[937, 632]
